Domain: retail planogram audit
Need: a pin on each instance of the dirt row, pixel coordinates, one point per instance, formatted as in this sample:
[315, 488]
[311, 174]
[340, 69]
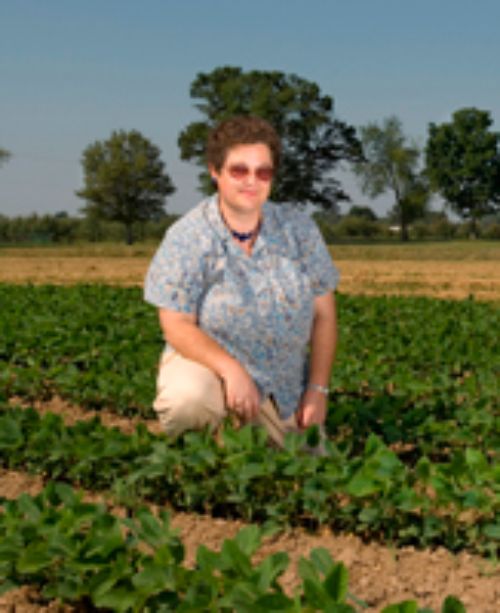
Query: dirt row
[378, 574]
[438, 279]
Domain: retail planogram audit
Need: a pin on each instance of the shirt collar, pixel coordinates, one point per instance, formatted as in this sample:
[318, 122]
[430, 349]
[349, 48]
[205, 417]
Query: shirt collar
[212, 215]
[267, 237]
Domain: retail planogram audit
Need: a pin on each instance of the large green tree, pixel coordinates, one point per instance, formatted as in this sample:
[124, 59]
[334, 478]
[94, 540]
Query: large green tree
[125, 180]
[463, 164]
[390, 164]
[313, 141]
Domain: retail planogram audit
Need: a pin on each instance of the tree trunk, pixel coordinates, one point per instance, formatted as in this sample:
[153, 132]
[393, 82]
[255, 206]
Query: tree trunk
[129, 234]
[402, 220]
[473, 233]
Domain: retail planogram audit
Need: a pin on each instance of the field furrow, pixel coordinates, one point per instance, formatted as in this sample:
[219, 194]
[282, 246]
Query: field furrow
[426, 575]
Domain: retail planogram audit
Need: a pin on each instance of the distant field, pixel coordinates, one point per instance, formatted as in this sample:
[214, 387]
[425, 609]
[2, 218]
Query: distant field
[442, 269]
[442, 250]
[455, 270]
[488, 251]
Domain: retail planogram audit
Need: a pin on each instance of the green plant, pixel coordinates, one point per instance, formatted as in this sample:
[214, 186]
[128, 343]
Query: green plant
[82, 554]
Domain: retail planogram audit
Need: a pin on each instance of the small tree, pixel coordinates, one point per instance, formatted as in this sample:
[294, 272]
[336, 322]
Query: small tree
[124, 180]
[463, 164]
[313, 141]
[390, 165]
[4, 156]
[364, 212]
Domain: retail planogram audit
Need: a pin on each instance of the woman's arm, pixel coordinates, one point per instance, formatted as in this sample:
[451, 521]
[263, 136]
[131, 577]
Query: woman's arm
[187, 338]
[314, 403]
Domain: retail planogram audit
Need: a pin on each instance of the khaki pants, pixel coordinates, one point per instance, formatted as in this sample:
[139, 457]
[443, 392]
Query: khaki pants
[191, 397]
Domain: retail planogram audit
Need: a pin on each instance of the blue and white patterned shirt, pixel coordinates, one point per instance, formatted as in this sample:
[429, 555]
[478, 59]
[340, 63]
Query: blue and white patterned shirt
[259, 308]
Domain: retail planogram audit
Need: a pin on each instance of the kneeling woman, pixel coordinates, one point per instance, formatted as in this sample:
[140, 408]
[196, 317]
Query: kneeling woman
[244, 290]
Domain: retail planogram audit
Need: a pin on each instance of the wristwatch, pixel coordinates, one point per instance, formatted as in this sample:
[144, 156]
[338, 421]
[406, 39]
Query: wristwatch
[319, 388]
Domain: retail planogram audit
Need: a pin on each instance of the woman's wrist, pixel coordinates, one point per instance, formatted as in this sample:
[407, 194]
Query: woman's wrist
[322, 389]
[226, 366]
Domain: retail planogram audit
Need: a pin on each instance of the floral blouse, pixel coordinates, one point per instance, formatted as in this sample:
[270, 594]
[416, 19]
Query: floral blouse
[259, 308]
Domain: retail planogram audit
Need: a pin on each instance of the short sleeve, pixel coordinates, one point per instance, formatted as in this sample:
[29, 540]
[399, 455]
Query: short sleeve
[323, 273]
[174, 279]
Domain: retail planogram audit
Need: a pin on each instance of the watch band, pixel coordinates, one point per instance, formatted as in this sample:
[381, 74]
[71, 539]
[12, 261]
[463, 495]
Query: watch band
[319, 388]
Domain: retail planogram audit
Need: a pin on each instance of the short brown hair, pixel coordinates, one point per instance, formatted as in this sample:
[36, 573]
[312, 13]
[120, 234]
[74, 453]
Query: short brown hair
[241, 130]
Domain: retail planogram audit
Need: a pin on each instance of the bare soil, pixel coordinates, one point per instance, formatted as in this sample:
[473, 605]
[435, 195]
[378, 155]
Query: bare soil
[443, 279]
[378, 574]
[453, 279]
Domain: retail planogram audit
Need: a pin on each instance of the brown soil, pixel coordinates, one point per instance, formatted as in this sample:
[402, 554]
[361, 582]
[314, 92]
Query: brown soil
[378, 574]
[439, 279]
[72, 413]
[452, 280]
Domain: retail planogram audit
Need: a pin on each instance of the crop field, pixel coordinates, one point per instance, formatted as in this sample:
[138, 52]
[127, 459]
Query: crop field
[404, 509]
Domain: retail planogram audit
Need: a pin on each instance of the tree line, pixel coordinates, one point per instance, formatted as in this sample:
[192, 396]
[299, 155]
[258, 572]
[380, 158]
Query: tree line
[360, 223]
[61, 228]
[126, 183]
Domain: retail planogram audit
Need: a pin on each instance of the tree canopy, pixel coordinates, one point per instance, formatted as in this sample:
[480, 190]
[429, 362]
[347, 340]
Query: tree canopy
[313, 141]
[125, 180]
[463, 163]
[362, 211]
[390, 164]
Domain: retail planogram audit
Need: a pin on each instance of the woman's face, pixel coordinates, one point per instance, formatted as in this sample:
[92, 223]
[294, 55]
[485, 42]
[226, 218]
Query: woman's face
[245, 179]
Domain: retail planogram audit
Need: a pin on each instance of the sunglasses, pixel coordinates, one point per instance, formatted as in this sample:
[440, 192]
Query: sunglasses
[241, 171]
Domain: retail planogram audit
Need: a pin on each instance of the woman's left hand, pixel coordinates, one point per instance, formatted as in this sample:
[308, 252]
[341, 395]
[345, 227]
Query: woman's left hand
[312, 409]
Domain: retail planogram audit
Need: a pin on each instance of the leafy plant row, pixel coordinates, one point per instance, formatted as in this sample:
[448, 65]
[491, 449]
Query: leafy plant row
[94, 345]
[419, 373]
[83, 555]
[372, 494]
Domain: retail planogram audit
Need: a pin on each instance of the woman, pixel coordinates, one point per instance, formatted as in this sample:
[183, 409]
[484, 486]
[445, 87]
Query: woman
[244, 292]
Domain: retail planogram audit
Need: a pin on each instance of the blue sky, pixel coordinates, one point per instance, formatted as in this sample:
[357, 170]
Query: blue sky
[72, 72]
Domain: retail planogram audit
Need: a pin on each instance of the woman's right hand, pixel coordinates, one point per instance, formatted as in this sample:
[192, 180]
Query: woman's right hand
[183, 334]
[242, 395]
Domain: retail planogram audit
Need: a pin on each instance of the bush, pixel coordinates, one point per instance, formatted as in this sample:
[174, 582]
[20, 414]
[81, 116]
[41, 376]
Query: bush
[350, 226]
[491, 231]
[440, 227]
[353, 226]
[60, 228]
